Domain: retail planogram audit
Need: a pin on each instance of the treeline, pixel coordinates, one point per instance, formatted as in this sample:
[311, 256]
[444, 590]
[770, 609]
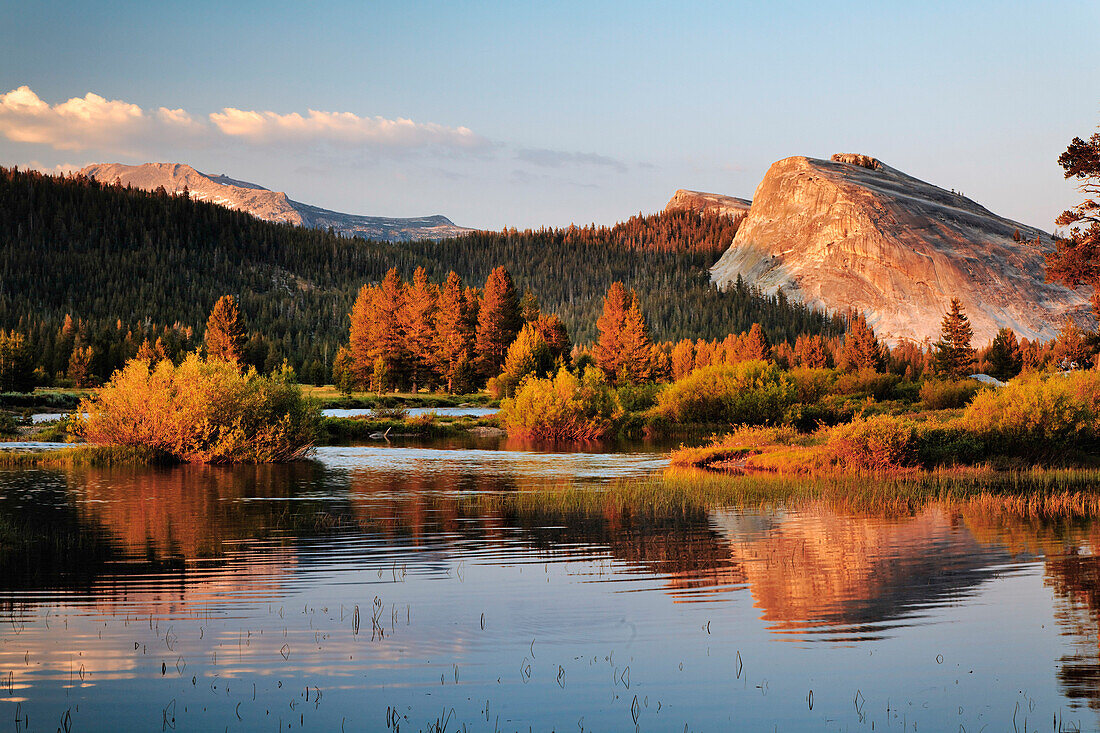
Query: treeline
[103, 268]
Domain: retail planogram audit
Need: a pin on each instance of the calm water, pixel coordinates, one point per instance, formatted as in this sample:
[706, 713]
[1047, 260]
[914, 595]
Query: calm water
[371, 587]
[44, 417]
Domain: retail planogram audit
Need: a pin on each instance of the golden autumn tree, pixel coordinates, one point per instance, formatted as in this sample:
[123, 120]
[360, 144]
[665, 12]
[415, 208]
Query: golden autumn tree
[608, 350]
[417, 315]
[454, 334]
[498, 321]
[225, 331]
[377, 341]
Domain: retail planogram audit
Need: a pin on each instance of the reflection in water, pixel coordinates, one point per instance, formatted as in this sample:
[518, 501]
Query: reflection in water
[404, 578]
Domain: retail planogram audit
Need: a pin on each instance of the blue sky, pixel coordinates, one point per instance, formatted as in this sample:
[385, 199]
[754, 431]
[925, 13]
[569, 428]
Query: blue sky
[550, 113]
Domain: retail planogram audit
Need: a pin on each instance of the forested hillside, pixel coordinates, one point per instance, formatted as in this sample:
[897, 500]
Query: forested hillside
[126, 264]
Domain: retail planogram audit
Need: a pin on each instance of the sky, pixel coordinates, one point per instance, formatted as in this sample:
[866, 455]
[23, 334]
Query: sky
[546, 114]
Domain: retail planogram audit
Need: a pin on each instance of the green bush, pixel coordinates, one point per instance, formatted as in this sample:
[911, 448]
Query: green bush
[945, 445]
[943, 395]
[563, 408]
[638, 397]
[879, 443]
[748, 393]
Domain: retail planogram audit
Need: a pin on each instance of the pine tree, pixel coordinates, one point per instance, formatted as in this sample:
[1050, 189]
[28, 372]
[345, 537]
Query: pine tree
[529, 307]
[343, 371]
[454, 335]
[225, 331]
[609, 348]
[80, 364]
[953, 355]
[377, 333]
[151, 353]
[1004, 357]
[683, 359]
[756, 345]
[1071, 351]
[529, 354]
[861, 350]
[811, 352]
[418, 324]
[16, 363]
[498, 321]
[635, 365]
[553, 330]
[360, 346]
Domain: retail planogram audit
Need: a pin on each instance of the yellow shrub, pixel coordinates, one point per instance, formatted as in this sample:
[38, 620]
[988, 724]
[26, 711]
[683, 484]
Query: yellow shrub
[749, 393]
[1039, 414]
[202, 411]
[879, 443]
[563, 408]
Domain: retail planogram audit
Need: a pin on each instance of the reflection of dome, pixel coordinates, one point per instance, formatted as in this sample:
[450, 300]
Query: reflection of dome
[812, 568]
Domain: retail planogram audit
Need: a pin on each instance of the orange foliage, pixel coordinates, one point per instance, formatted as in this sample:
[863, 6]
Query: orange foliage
[203, 411]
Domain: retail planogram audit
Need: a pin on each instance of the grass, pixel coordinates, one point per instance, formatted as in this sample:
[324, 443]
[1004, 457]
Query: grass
[330, 397]
[86, 455]
[1049, 494]
[339, 430]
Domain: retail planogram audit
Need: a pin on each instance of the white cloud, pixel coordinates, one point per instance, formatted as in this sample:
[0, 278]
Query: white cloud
[79, 123]
[92, 122]
[341, 128]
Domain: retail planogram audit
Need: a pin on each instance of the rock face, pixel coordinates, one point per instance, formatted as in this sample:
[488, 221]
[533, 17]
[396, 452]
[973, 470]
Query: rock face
[853, 233]
[711, 203]
[268, 205]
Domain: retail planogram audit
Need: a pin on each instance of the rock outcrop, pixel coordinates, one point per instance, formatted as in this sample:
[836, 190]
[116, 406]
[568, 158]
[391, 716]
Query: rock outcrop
[711, 203]
[266, 204]
[852, 233]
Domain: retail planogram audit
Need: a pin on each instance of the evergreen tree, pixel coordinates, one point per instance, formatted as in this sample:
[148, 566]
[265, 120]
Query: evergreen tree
[529, 354]
[343, 371]
[80, 363]
[225, 331]
[756, 346]
[556, 335]
[418, 324]
[1071, 350]
[529, 307]
[608, 351]
[16, 363]
[953, 356]
[683, 359]
[1004, 357]
[635, 348]
[861, 350]
[151, 353]
[811, 352]
[498, 321]
[377, 334]
[454, 335]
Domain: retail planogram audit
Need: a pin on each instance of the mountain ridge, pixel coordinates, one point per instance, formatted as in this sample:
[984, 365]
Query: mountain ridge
[269, 205]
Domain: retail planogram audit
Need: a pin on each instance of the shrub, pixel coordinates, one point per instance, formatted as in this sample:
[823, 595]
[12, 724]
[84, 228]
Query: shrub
[638, 397]
[867, 383]
[563, 408]
[202, 411]
[879, 443]
[941, 395]
[943, 445]
[1038, 414]
[749, 393]
[813, 384]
